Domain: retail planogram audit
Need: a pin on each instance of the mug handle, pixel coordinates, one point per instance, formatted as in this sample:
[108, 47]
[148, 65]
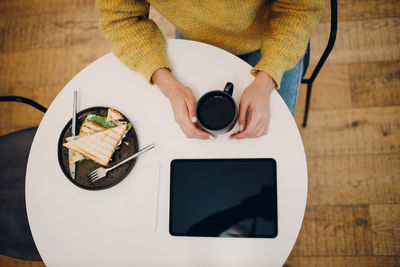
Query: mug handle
[229, 88]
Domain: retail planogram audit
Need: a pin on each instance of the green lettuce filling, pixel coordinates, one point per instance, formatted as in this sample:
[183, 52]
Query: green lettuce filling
[102, 121]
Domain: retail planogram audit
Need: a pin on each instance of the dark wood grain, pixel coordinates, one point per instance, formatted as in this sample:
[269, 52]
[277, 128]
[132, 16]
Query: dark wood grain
[385, 225]
[362, 9]
[12, 262]
[24, 7]
[49, 30]
[354, 179]
[375, 84]
[335, 231]
[343, 261]
[359, 41]
[374, 130]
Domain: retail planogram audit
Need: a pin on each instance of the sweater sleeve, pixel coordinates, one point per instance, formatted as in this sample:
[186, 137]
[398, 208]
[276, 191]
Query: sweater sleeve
[289, 26]
[135, 39]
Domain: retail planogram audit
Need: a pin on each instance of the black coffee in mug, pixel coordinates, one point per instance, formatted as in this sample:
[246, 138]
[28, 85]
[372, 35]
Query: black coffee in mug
[216, 110]
[217, 113]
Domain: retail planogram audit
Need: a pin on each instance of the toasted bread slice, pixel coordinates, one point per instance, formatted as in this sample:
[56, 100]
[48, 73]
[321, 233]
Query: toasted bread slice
[90, 127]
[87, 128]
[114, 116]
[75, 157]
[99, 146]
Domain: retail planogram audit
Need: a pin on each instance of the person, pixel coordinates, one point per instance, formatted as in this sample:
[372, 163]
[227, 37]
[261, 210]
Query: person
[272, 36]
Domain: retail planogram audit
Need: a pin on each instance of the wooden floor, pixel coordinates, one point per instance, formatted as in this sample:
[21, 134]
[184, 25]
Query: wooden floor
[352, 140]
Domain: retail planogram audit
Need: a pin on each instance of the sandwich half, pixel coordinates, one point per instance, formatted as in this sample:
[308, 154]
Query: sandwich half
[98, 146]
[86, 129]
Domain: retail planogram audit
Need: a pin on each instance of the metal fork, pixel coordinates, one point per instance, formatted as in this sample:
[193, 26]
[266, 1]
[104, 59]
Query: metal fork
[102, 172]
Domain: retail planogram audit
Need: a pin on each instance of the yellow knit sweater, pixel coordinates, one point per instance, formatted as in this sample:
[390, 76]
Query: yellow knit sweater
[280, 28]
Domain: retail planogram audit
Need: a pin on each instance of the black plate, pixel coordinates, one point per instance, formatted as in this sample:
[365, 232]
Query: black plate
[128, 147]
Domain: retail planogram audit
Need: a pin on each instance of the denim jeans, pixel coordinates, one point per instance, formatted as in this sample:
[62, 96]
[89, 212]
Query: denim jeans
[291, 79]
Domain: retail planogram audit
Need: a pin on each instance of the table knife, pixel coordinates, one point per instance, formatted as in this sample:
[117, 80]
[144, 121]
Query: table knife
[70, 152]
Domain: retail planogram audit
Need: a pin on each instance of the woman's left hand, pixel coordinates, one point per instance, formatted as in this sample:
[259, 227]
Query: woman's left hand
[254, 108]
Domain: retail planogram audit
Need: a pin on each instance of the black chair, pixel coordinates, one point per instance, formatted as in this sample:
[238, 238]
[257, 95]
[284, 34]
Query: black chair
[15, 235]
[327, 51]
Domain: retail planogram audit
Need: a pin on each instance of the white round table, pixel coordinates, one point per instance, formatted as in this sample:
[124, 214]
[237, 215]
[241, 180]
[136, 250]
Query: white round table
[127, 225]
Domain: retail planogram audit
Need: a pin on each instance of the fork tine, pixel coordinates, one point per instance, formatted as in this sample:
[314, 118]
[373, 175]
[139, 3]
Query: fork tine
[92, 173]
[93, 176]
[95, 179]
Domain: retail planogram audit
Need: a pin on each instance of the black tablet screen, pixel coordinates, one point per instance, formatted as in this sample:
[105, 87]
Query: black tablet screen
[223, 197]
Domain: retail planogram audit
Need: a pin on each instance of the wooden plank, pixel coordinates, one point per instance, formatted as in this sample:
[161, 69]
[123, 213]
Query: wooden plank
[335, 231]
[23, 7]
[18, 8]
[358, 85]
[368, 261]
[51, 30]
[60, 29]
[385, 224]
[331, 89]
[352, 131]
[359, 41]
[375, 84]
[47, 67]
[355, 179]
[39, 75]
[362, 9]
[300, 105]
[12, 262]
[2, 31]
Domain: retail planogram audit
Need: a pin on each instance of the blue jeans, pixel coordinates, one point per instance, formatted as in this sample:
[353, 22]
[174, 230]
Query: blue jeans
[291, 79]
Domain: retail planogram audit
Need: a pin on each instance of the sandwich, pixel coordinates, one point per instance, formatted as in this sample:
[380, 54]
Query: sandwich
[99, 146]
[86, 129]
[98, 138]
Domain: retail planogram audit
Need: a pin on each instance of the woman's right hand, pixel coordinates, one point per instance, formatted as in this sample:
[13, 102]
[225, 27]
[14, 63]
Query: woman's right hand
[182, 103]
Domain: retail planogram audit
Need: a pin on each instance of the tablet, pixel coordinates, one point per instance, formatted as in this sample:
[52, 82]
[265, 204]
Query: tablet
[223, 198]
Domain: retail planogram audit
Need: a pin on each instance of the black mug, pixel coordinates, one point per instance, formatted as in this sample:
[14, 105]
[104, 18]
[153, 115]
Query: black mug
[216, 110]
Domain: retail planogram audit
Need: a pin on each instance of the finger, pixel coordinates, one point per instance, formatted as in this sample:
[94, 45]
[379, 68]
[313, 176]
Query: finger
[191, 107]
[185, 129]
[196, 132]
[184, 120]
[190, 129]
[199, 133]
[243, 108]
[249, 129]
